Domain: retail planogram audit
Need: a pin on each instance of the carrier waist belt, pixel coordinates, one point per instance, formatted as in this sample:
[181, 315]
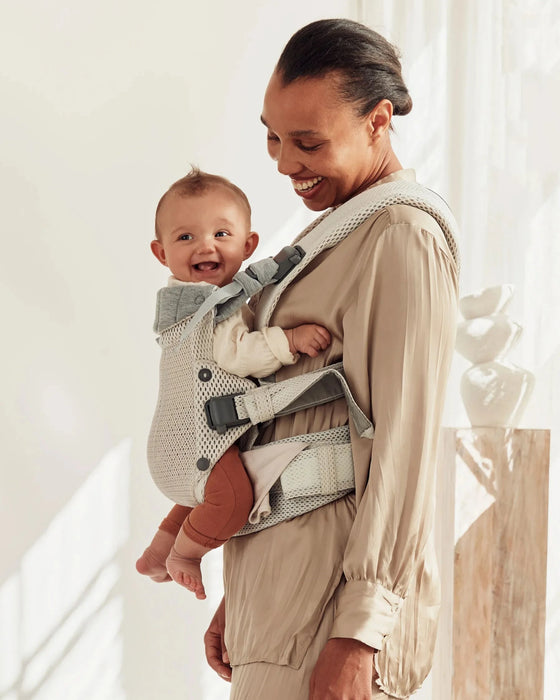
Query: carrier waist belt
[320, 474]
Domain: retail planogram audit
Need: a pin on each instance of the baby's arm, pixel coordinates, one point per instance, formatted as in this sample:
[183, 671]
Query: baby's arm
[309, 339]
[244, 352]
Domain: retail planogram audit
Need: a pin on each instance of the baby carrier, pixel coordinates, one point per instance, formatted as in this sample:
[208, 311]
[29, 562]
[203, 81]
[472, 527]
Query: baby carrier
[202, 409]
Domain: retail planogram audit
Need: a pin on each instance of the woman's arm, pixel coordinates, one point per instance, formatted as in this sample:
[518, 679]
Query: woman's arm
[398, 345]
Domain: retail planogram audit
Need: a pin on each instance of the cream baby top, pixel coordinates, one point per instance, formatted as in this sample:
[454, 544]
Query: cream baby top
[243, 351]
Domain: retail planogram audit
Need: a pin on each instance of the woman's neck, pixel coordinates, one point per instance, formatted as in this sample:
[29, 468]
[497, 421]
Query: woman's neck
[389, 164]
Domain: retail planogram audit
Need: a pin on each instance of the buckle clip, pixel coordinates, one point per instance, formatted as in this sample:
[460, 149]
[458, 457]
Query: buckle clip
[221, 413]
[287, 259]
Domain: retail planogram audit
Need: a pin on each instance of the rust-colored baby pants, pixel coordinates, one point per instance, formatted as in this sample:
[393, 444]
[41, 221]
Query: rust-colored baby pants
[228, 499]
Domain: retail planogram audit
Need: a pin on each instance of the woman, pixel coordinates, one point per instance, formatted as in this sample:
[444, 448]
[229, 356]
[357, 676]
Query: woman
[342, 602]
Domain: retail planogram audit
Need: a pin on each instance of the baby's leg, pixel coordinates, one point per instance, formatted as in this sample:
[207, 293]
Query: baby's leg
[152, 561]
[228, 499]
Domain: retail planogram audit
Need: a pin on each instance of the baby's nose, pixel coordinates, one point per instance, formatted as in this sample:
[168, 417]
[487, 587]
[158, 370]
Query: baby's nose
[206, 244]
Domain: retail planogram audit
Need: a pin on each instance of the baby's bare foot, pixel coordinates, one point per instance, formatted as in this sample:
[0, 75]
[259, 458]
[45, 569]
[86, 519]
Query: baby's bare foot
[152, 561]
[191, 583]
[149, 565]
[186, 572]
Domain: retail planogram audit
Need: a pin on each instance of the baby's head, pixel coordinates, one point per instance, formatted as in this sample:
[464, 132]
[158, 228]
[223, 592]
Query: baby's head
[203, 229]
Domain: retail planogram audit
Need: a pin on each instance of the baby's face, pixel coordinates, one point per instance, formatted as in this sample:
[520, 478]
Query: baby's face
[204, 237]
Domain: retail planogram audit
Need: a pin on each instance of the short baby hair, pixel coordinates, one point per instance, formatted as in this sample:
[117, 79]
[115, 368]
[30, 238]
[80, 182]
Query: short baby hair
[197, 182]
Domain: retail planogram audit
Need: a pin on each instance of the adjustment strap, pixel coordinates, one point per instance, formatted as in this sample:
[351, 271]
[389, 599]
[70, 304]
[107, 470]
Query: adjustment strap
[304, 391]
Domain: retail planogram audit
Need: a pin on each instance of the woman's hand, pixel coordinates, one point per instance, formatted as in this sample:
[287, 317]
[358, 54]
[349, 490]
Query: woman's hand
[214, 646]
[344, 671]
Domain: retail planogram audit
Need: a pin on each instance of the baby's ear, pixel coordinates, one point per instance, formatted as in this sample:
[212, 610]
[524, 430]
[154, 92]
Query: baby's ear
[159, 251]
[250, 244]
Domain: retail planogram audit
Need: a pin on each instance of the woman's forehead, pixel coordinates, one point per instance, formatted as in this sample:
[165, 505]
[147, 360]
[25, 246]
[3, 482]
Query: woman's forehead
[302, 107]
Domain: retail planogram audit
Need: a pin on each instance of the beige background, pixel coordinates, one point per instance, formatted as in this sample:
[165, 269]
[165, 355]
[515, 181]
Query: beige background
[103, 105]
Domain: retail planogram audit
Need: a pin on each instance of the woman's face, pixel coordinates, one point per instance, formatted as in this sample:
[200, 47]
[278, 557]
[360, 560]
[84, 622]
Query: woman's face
[319, 141]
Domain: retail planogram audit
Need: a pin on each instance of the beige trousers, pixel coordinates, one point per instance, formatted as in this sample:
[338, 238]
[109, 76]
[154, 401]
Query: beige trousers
[268, 681]
[281, 590]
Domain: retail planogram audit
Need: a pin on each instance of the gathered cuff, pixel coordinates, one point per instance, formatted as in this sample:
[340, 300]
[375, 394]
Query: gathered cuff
[279, 345]
[365, 611]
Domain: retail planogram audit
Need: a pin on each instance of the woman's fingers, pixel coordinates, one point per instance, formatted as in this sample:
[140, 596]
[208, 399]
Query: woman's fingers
[214, 655]
[214, 645]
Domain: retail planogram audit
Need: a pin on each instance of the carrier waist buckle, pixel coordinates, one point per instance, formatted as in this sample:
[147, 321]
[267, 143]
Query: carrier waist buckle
[221, 413]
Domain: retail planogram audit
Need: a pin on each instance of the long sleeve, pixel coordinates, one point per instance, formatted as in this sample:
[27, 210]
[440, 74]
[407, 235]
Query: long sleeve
[398, 341]
[243, 352]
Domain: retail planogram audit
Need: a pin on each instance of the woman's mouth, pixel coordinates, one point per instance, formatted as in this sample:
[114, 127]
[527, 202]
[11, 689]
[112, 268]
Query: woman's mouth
[306, 187]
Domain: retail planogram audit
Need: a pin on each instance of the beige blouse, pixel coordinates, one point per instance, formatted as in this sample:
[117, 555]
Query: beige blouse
[388, 295]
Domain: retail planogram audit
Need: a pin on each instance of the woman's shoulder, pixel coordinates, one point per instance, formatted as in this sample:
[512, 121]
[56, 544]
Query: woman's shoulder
[409, 220]
[411, 215]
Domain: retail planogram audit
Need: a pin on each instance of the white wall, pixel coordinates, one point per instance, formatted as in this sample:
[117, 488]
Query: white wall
[103, 106]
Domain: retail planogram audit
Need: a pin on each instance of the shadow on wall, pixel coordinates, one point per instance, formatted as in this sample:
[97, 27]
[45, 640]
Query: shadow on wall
[62, 610]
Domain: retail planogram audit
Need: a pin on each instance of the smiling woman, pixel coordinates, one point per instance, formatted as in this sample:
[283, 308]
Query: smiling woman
[333, 153]
[343, 601]
[337, 151]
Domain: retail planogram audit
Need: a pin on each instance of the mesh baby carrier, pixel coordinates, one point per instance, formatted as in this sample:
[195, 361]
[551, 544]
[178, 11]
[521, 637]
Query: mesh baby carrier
[202, 409]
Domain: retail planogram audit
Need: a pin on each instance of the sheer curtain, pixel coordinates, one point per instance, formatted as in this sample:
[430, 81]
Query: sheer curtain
[485, 79]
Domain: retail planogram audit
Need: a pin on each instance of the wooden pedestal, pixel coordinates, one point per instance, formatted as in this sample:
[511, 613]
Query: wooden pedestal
[491, 533]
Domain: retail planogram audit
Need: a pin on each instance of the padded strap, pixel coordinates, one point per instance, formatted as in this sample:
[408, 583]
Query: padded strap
[303, 391]
[335, 224]
[226, 300]
[322, 470]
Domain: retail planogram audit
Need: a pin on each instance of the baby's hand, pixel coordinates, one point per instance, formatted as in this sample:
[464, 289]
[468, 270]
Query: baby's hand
[308, 339]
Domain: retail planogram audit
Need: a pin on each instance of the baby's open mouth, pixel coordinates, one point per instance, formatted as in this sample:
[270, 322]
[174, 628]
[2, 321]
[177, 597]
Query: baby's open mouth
[206, 266]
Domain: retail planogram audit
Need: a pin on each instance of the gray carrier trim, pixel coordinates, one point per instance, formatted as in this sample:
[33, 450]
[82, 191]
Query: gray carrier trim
[175, 303]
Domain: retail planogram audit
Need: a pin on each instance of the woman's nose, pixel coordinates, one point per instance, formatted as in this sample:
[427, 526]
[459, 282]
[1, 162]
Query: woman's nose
[285, 161]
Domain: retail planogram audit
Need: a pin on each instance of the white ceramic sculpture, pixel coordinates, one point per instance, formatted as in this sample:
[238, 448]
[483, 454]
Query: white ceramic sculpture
[495, 391]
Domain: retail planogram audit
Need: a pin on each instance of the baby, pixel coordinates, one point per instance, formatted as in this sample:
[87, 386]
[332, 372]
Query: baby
[203, 235]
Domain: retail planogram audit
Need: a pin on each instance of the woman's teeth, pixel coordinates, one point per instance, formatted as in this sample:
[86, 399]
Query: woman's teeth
[302, 185]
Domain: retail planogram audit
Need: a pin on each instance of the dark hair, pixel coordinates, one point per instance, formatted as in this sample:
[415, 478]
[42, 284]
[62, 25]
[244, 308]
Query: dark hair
[369, 64]
[197, 182]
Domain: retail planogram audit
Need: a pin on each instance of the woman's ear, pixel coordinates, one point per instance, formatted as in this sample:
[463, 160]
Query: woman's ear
[159, 251]
[250, 245]
[380, 118]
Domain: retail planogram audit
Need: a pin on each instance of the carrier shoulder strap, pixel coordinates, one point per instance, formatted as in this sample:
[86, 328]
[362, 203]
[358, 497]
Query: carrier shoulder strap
[224, 301]
[333, 226]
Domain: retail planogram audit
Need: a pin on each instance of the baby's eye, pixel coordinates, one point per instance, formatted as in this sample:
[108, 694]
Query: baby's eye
[221, 234]
[185, 237]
